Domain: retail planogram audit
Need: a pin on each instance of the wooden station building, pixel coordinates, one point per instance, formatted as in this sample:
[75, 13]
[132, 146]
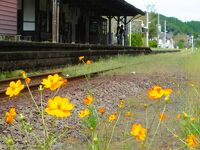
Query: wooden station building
[65, 21]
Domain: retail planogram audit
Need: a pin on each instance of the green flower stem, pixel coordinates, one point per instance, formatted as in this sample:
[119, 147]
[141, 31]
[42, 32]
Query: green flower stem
[146, 120]
[56, 92]
[43, 121]
[113, 132]
[26, 132]
[157, 128]
[196, 91]
[195, 128]
[128, 139]
[174, 134]
[32, 97]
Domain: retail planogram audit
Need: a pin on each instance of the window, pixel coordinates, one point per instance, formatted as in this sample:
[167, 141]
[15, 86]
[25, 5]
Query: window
[29, 15]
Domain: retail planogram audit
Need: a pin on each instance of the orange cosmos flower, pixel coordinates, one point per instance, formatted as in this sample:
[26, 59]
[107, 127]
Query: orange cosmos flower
[128, 114]
[88, 100]
[10, 116]
[162, 117]
[84, 113]
[192, 140]
[102, 110]
[121, 104]
[59, 107]
[156, 92]
[139, 132]
[28, 80]
[88, 62]
[64, 81]
[53, 82]
[14, 88]
[111, 118]
[81, 58]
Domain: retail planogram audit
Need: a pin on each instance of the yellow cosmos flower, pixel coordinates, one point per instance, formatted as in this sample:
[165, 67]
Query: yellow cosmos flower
[10, 116]
[81, 58]
[88, 100]
[102, 110]
[84, 113]
[139, 132]
[192, 141]
[121, 104]
[162, 117]
[59, 107]
[128, 114]
[185, 115]
[88, 62]
[24, 74]
[168, 91]
[53, 82]
[192, 118]
[111, 118]
[156, 92]
[14, 88]
[178, 116]
[191, 83]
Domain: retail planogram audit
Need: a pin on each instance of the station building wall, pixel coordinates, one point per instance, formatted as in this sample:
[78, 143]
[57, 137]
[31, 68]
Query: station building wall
[8, 17]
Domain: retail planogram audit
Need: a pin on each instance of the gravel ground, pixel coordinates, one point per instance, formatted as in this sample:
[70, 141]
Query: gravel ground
[107, 91]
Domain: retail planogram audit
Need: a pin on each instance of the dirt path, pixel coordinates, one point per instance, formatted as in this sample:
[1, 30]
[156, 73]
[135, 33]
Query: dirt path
[107, 91]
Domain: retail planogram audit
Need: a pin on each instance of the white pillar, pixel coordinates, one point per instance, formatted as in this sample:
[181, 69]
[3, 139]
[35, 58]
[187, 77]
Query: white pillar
[165, 34]
[192, 38]
[147, 28]
[130, 33]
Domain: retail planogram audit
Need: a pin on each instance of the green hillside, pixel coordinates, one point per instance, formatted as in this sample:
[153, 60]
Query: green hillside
[177, 26]
[180, 30]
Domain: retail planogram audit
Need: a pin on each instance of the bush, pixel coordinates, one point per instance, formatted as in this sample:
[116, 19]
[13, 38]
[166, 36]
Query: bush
[136, 39]
[153, 43]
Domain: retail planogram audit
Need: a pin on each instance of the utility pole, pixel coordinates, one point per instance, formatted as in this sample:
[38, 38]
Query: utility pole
[158, 36]
[130, 32]
[147, 23]
[147, 27]
[165, 34]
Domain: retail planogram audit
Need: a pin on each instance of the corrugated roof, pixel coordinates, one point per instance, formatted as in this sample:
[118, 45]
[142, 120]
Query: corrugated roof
[109, 7]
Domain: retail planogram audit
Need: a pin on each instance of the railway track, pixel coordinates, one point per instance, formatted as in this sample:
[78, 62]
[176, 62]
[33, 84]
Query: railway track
[36, 79]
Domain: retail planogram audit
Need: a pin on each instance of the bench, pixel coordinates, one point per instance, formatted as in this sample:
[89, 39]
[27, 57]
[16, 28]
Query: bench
[10, 37]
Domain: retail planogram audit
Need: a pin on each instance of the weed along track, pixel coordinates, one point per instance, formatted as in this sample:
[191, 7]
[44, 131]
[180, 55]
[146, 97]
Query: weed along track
[102, 108]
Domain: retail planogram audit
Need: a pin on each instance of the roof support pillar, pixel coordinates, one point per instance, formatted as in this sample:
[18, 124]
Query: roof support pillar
[87, 26]
[125, 24]
[109, 31]
[55, 20]
[58, 19]
[118, 20]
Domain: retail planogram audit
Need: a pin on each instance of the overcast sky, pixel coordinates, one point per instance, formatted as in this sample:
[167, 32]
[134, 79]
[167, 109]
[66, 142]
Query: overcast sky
[185, 10]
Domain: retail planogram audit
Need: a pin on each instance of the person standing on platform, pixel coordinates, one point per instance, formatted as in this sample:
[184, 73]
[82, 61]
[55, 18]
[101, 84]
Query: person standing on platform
[121, 34]
[118, 35]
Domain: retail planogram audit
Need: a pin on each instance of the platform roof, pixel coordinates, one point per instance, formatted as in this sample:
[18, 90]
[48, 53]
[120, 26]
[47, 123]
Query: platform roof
[108, 7]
